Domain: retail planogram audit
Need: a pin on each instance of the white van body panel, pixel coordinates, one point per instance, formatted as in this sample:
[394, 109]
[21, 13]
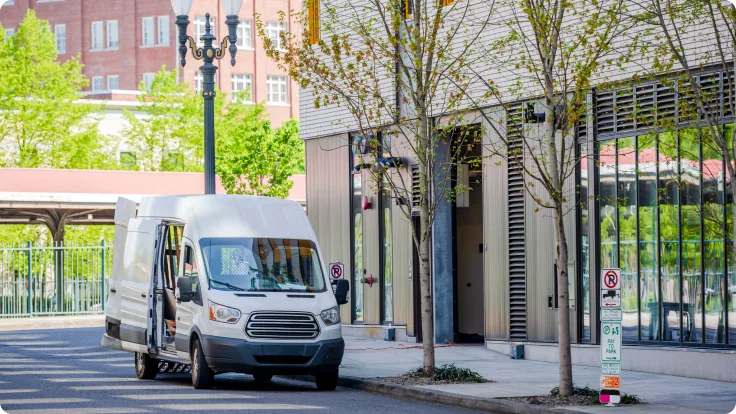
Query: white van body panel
[124, 211]
[138, 265]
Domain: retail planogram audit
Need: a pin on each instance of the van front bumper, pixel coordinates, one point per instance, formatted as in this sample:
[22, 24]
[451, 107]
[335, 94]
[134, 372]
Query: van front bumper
[238, 355]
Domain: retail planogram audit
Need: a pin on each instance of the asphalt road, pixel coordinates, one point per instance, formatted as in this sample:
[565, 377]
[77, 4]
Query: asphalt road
[66, 371]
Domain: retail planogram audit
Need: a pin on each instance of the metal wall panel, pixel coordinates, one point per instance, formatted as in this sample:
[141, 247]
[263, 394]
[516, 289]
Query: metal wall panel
[328, 200]
[495, 235]
[371, 252]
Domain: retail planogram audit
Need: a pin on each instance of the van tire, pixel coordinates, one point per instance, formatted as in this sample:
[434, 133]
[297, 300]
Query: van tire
[262, 378]
[202, 376]
[146, 368]
[327, 381]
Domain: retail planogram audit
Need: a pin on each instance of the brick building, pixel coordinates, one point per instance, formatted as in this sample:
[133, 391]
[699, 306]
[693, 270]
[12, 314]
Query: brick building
[124, 42]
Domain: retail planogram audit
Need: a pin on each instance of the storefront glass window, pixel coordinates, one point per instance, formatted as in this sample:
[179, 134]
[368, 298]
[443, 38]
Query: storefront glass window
[731, 277]
[690, 202]
[715, 247]
[584, 242]
[357, 223]
[387, 254]
[648, 236]
[608, 217]
[627, 217]
[669, 230]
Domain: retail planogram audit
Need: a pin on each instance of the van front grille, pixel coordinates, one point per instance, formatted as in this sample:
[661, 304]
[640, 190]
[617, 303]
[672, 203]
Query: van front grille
[282, 325]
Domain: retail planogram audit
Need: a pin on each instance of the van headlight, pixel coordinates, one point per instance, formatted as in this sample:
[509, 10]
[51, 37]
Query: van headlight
[330, 316]
[221, 313]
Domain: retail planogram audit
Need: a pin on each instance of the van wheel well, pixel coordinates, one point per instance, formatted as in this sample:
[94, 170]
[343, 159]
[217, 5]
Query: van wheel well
[193, 338]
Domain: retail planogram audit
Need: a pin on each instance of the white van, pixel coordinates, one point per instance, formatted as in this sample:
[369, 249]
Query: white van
[217, 284]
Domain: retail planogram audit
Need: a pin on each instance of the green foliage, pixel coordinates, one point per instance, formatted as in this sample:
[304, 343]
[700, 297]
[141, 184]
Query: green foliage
[252, 157]
[593, 393]
[42, 125]
[452, 373]
[169, 135]
[15, 234]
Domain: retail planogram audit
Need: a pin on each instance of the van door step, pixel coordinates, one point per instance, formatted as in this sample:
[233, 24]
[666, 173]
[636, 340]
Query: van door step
[173, 367]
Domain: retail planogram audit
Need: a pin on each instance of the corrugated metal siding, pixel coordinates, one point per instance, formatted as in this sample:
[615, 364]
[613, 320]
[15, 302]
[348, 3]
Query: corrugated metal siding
[403, 246]
[328, 200]
[495, 234]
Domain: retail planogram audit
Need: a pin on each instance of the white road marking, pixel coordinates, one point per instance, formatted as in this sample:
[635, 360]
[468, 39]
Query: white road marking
[48, 372]
[16, 391]
[32, 343]
[91, 379]
[100, 410]
[117, 359]
[20, 361]
[197, 396]
[129, 365]
[66, 348]
[152, 385]
[86, 354]
[26, 367]
[215, 407]
[45, 401]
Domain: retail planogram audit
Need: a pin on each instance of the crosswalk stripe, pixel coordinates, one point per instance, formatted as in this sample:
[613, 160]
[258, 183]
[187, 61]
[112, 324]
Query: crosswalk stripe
[48, 372]
[44, 401]
[59, 380]
[216, 407]
[16, 391]
[198, 396]
[152, 386]
[98, 410]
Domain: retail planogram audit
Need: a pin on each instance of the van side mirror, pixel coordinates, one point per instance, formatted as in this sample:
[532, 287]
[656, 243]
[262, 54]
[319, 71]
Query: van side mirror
[341, 288]
[184, 289]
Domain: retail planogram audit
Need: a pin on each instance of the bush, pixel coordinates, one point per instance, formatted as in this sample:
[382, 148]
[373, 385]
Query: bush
[452, 373]
[590, 392]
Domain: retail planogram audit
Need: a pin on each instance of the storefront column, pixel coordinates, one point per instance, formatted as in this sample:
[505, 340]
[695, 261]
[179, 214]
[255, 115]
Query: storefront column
[442, 246]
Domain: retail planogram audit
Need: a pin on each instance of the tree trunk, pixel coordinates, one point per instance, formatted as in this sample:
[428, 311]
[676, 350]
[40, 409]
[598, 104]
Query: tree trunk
[425, 287]
[563, 310]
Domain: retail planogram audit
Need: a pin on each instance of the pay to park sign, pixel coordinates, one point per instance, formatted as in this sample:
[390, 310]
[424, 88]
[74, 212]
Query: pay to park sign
[611, 316]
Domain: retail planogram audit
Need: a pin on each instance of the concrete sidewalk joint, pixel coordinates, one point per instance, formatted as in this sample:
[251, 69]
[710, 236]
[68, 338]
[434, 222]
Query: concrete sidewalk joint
[494, 405]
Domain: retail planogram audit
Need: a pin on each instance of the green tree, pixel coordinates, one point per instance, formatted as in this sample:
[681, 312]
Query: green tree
[254, 158]
[42, 122]
[168, 137]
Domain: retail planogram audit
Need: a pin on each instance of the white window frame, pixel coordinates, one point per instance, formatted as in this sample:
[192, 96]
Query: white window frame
[148, 79]
[163, 32]
[245, 27]
[200, 23]
[273, 32]
[60, 36]
[277, 90]
[98, 40]
[111, 87]
[198, 82]
[148, 39]
[112, 38]
[242, 82]
[98, 83]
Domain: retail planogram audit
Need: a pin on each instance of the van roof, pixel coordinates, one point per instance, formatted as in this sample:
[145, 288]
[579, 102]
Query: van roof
[232, 215]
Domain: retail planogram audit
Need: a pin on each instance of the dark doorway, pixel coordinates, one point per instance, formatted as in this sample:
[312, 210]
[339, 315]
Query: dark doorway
[415, 286]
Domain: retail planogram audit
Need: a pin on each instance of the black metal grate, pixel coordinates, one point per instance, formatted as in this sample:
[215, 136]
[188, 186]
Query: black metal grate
[517, 223]
[282, 325]
[415, 190]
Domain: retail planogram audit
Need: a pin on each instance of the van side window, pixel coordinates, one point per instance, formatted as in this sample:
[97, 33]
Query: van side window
[192, 271]
[172, 255]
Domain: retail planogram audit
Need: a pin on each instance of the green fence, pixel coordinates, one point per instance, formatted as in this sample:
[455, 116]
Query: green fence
[61, 279]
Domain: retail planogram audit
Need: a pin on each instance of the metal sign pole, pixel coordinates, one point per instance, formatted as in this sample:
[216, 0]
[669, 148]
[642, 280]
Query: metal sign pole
[611, 316]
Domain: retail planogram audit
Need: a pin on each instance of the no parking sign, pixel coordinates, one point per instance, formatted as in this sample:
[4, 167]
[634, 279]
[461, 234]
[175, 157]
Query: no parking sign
[337, 271]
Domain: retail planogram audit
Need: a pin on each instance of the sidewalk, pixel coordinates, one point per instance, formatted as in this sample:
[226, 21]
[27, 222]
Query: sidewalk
[370, 359]
[51, 322]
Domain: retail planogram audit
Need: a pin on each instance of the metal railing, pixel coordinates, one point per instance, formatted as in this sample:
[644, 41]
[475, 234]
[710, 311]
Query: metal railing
[60, 279]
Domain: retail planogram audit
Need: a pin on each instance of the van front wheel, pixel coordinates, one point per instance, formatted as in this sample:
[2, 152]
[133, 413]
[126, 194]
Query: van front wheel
[145, 366]
[327, 381]
[202, 375]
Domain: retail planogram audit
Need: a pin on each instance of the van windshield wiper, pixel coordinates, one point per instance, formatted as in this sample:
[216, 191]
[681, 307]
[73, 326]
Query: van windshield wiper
[232, 287]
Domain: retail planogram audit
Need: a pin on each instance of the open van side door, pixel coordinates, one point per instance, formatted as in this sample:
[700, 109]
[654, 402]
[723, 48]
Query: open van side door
[141, 287]
[124, 211]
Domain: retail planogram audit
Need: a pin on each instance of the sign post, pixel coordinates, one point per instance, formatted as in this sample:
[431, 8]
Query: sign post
[611, 316]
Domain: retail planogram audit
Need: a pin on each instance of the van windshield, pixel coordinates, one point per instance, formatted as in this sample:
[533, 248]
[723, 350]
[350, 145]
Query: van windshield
[261, 264]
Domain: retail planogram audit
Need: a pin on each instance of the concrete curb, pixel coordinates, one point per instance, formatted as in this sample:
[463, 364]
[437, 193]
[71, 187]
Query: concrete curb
[494, 405]
[51, 322]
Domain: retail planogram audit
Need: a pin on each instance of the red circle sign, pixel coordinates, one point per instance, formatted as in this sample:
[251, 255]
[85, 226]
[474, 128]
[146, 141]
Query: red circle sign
[610, 279]
[336, 271]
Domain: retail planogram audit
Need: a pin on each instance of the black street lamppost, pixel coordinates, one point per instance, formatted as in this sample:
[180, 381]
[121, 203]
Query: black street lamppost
[208, 53]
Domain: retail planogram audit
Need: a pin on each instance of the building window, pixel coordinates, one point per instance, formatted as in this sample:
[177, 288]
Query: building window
[128, 160]
[9, 33]
[386, 235]
[276, 87]
[148, 33]
[314, 21]
[98, 83]
[273, 31]
[164, 30]
[199, 29]
[356, 222]
[198, 82]
[242, 88]
[113, 82]
[665, 216]
[112, 34]
[98, 40]
[60, 34]
[148, 79]
[245, 35]
[9, 2]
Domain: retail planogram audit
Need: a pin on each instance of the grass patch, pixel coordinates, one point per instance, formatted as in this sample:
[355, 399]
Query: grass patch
[580, 396]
